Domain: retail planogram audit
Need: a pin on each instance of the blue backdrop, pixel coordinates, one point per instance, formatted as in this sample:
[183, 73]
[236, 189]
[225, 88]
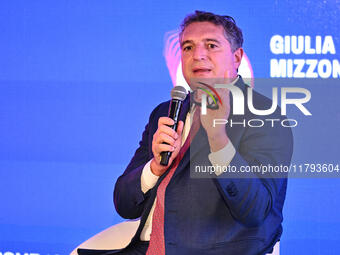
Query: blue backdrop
[78, 80]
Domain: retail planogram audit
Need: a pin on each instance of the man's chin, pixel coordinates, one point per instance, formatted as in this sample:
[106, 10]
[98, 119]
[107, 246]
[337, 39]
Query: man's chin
[198, 82]
[194, 78]
[203, 75]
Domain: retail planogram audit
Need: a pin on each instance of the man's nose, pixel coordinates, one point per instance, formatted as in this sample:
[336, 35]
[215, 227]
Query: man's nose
[200, 53]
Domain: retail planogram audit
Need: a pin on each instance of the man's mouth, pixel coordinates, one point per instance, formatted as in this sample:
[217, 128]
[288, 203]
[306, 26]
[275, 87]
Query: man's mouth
[201, 70]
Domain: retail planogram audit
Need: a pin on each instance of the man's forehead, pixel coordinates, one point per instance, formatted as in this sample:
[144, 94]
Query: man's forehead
[203, 31]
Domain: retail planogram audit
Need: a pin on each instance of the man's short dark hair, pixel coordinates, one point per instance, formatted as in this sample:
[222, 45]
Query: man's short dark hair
[233, 33]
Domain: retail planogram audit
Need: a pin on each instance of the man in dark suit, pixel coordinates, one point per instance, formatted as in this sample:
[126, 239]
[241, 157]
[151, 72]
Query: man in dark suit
[227, 214]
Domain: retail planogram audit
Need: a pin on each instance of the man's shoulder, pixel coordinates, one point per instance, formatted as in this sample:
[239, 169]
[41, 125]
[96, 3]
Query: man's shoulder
[258, 101]
[162, 107]
[256, 96]
[159, 111]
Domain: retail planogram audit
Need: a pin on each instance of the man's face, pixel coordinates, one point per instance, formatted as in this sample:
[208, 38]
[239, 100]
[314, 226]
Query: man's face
[206, 53]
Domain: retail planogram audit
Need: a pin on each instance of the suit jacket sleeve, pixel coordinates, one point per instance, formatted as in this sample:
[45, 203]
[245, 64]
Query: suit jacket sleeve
[129, 200]
[251, 199]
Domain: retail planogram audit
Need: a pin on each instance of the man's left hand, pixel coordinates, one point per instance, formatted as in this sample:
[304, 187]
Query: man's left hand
[217, 135]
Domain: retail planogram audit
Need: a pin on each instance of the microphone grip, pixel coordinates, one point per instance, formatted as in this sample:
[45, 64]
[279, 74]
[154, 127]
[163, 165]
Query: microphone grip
[174, 111]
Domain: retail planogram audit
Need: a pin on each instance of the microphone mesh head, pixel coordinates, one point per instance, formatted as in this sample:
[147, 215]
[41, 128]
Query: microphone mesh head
[179, 93]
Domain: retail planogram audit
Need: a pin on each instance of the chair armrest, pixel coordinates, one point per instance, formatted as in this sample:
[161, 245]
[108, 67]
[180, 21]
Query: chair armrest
[114, 237]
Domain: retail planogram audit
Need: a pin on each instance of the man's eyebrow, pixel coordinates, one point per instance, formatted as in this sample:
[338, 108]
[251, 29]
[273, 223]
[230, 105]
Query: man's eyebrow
[212, 40]
[205, 40]
[186, 41]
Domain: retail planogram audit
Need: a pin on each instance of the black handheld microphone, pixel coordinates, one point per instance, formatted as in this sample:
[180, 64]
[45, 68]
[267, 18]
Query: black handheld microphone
[178, 94]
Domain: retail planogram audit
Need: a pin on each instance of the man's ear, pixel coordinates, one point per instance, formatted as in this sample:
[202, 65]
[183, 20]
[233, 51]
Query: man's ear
[238, 54]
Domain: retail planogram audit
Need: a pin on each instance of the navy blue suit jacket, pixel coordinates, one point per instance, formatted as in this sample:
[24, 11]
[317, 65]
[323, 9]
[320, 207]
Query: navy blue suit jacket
[214, 215]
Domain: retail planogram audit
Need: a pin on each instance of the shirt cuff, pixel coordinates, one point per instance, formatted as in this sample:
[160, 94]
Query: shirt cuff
[148, 179]
[223, 157]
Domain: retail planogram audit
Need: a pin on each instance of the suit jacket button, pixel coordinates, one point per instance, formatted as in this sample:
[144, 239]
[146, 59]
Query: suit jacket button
[231, 189]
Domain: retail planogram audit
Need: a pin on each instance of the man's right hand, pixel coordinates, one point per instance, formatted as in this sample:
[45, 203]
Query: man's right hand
[165, 139]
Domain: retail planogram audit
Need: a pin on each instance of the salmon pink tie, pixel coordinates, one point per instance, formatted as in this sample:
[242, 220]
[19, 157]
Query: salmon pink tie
[157, 242]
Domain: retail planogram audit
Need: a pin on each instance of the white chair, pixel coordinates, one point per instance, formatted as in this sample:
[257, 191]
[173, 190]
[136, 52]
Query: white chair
[119, 236]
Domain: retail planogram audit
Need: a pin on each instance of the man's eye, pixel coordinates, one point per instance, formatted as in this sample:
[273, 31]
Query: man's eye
[212, 46]
[187, 48]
